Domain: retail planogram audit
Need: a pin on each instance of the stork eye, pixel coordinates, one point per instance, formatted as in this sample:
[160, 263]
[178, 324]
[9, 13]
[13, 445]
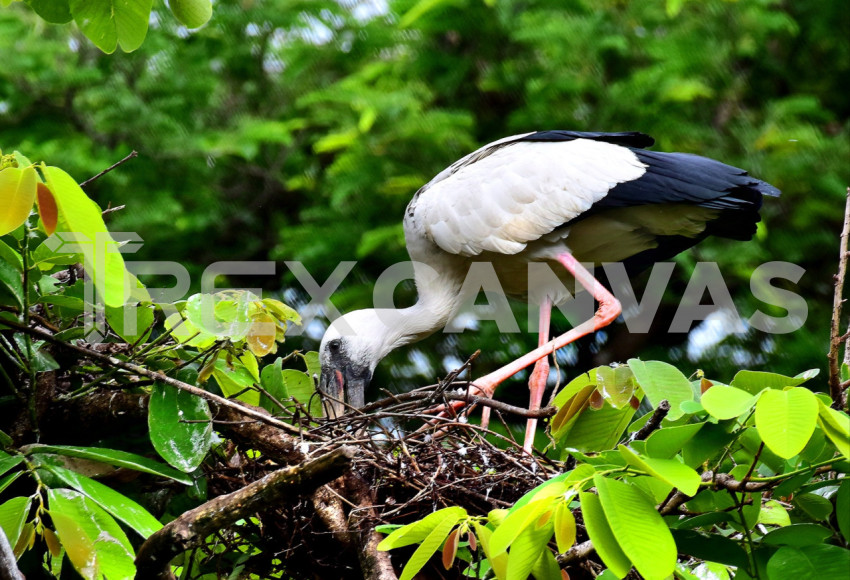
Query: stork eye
[334, 345]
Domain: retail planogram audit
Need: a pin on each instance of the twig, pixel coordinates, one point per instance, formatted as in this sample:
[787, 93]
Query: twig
[134, 153]
[155, 375]
[654, 421]
[471, 399]
[577, 552]
[8, 565]
[191, 528]
[839, 398]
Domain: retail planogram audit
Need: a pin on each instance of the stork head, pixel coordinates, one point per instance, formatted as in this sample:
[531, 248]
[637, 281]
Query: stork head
[351, 349]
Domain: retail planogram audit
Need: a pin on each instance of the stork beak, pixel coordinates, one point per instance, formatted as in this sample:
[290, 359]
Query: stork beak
[342, 384]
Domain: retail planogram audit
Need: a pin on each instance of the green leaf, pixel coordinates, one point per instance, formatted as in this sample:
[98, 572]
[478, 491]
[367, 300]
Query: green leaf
[565, 527]
[596, 430]
[546, 567]
[639, 529]
[93, 541]
[13, 514]
[527, 548]
[798, 535]
[131, 321]
[192, 13]
[822, 561]
[725, 402]
[616, 385]
[8, 480]
[836, 426]
[236, 379]
[815, 506]
[428, 547]
[10, 256]
[271, 379]
[53, 11]
[755, 382]
[712, 547]
[120, 506]
[602, 536]
[112, 457]
[668, 441]
[11, 286]
[416, 532]
[773, 513]
[17, 196]
[83, 217]
[662, 381]
[670, 471]
[7, 462]
[180, 426]
[842, 508]
[786, 419]
[420, 9]
[556, 485]
[301, 388]
[109, 23]
[517, 521]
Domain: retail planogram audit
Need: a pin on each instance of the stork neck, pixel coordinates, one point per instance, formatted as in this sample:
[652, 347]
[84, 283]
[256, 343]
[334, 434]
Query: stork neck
[439, 299]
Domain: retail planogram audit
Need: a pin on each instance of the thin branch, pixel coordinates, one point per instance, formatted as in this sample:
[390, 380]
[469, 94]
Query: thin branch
[192, 528]
[839, 399]
[471, 399]
[110, 168]
[654, 422]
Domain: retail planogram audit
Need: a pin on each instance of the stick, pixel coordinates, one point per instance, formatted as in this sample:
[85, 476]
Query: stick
[134, 153]
[654, 421]
[192, 528]
[839, 400]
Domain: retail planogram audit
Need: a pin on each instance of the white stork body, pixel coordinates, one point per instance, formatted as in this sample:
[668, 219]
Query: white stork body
[556, 197]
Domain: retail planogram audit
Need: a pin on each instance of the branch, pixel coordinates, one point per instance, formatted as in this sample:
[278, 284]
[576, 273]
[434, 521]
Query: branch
[374, 564]
[8, 564]
[839, 398]
[654, 422]
[155, 375]
[471, 399]
[110, 168]
[577, 552]
[193, 527]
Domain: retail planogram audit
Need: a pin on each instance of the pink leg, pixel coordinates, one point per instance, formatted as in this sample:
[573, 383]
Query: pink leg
[540, 374]
[609, 310]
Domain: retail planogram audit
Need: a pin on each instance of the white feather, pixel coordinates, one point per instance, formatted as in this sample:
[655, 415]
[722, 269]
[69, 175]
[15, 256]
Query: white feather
[519, 193]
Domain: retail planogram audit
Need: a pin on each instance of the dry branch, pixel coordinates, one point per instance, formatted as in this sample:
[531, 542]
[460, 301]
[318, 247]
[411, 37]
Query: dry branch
[838, 394]
[193, 527]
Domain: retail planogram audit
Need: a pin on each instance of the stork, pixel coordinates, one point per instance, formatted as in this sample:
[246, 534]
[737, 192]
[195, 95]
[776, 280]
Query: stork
[563, 198]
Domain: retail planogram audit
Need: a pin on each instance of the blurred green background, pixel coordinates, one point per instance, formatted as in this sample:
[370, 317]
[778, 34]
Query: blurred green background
[299, 130]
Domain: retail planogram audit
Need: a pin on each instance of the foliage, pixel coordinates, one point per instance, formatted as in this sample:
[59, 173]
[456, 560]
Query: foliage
[747, 479]
[223, 335]
[109, 24]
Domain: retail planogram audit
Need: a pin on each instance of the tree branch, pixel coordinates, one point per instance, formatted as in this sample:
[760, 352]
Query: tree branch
[192, 528]
[839, 397]
[110, 168]
[654, 422]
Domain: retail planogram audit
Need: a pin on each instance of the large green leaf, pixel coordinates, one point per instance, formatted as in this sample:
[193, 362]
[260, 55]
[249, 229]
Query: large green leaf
[11, 286]
[798, 535]
[112, 457]
[639, 529]
[83, 217]
[300, 386]
[518, 521]
[725, 402]
[836, 426]
[429, 546]
[131, 321]
[271, 379]
[527, 548]
[236, 381]
[842, 508]
[668, 441]
[662, 381]
[109, 23]
[670, 471]
[822, 561]
[180, 426]
[53, 11]
[13, 514]
[7, 461]
[755, 382]
[120, 506]
[93, 541]
[602, 536]
[712, 547]
[786, 419]
[415, 532]
[597, 429]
